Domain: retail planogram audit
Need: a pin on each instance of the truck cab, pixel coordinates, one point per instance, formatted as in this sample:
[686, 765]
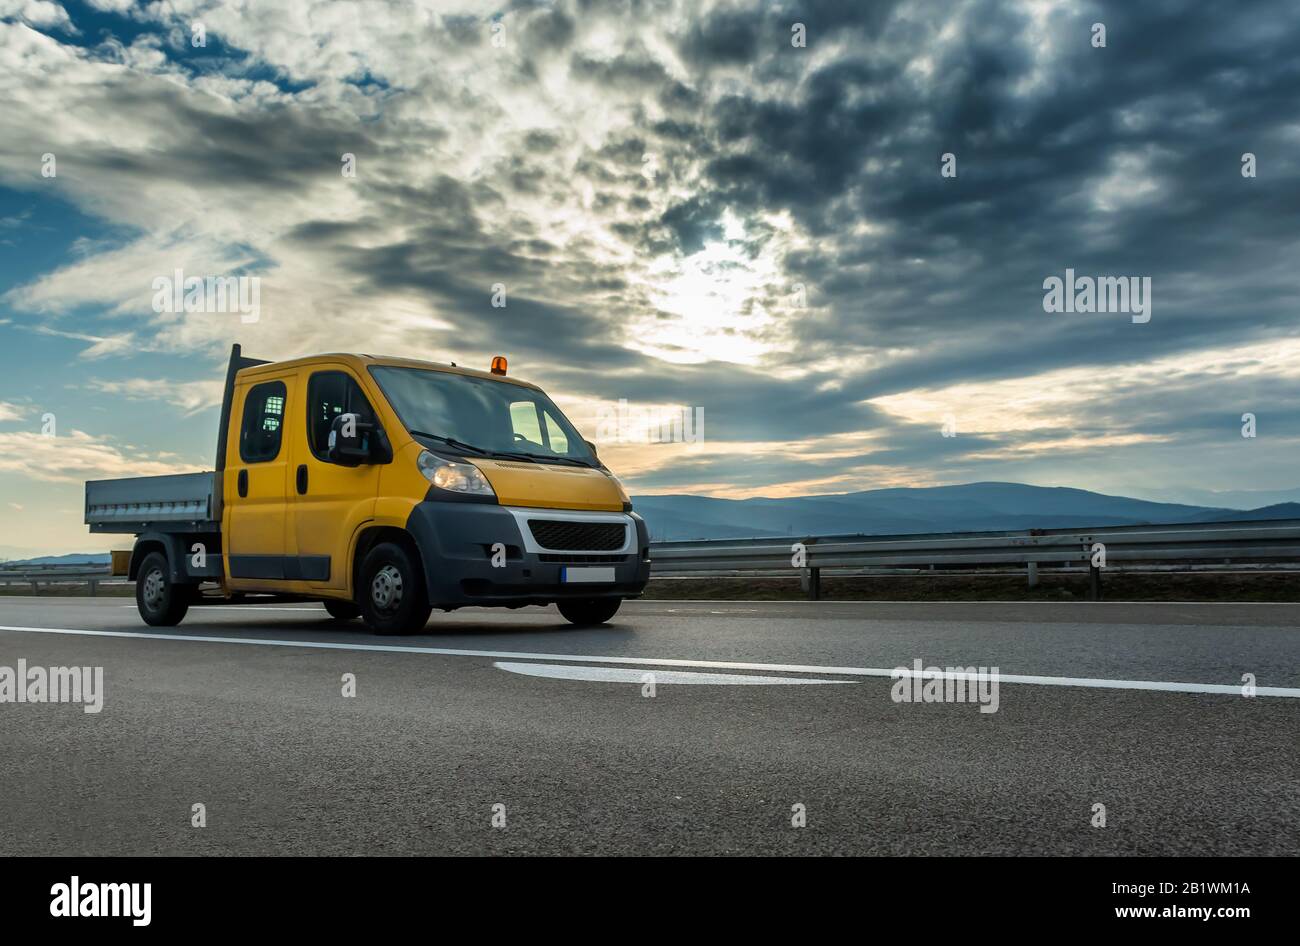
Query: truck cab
[384, 487]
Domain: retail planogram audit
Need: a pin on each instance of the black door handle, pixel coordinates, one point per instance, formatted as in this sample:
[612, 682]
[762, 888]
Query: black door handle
[243, 483]
[302, 478]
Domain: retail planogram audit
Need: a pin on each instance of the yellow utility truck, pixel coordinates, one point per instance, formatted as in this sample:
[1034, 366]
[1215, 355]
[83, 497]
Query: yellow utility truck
[383, 487]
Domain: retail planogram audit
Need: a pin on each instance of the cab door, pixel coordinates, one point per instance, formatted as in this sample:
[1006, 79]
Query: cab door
[255, 488]
[330, 503]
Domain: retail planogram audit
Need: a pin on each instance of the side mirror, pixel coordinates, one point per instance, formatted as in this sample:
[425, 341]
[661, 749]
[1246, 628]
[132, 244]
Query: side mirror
[349, 441]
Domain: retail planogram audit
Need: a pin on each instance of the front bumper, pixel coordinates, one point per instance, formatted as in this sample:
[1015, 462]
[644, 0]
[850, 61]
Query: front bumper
[456, 541]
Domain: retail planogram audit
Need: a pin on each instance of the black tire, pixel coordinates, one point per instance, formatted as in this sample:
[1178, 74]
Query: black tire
[391, 591]
[587, 611]
[160, 601]
[342, 610]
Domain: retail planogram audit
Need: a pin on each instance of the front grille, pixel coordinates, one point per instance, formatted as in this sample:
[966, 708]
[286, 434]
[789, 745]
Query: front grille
[587, 536]
[573, 558]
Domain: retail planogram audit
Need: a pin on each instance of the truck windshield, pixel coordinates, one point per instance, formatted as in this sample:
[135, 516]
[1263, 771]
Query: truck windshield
[492, 416]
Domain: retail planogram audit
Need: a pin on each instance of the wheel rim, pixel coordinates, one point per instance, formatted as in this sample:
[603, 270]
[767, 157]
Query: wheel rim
[155, 587]
[386, 588]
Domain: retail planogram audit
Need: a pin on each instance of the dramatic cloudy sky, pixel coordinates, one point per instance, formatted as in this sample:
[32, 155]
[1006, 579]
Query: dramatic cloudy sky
[685, 209]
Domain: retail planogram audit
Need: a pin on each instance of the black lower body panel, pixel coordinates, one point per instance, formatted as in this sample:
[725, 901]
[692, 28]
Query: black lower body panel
[285, 567]
[456, 544]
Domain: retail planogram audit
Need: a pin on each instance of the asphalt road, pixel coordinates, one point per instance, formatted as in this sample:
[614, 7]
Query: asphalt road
[517, 709]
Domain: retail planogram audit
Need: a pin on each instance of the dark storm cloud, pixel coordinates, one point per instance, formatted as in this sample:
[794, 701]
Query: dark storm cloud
[630, 69]
[1116, 161]
[1034, 142]
[549, 30]
[280, 148]
[954, 271]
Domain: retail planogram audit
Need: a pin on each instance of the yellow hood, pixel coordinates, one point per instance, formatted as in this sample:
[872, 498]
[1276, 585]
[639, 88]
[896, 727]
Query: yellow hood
[551, 486]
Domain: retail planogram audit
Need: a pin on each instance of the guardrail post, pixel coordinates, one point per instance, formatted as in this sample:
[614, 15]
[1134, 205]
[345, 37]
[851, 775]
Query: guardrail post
[1094, 583]
[93, 585]
[34, 591]
[814, 584]
[1032, 569]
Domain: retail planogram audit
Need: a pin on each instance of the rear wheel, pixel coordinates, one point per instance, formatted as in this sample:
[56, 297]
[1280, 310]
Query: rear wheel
[585, 611]
[391, 591]
[160, 601]
[342, 610]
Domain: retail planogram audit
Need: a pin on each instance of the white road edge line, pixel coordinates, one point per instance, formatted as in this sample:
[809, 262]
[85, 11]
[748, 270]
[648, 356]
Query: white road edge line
[1169, 687]
[718, 601]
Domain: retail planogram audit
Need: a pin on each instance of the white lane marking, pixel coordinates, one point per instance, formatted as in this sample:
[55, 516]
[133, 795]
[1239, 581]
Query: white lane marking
[638, 602]
[624, 675]
[1230, 689]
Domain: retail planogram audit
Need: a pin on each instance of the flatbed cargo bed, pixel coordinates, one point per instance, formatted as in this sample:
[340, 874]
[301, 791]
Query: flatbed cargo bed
[181, 502]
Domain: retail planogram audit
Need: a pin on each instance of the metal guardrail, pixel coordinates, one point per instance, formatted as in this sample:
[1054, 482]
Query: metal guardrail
[37, 575]
[1276, 540]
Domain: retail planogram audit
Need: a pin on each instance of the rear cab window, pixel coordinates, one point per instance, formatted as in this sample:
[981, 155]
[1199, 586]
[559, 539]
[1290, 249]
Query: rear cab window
[262, 428]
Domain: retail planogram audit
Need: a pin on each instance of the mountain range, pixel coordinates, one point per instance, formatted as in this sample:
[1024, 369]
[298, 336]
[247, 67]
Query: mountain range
[972, 507]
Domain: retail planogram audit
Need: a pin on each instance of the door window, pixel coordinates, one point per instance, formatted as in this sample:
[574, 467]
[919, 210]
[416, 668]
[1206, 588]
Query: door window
[329, 394]
[263, 425]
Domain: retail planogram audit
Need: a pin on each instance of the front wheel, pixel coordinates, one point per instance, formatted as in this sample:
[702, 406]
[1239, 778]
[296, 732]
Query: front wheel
[391, 592]
[586, 611]
[160, 601]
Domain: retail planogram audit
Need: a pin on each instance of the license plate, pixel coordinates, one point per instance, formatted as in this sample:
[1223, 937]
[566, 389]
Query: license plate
[571, 575]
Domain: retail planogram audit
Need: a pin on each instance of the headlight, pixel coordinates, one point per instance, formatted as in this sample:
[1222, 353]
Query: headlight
[452, 476]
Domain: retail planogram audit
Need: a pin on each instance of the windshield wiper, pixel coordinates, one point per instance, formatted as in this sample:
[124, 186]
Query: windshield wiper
[484, 452]
[451, 442]
[574, 461]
